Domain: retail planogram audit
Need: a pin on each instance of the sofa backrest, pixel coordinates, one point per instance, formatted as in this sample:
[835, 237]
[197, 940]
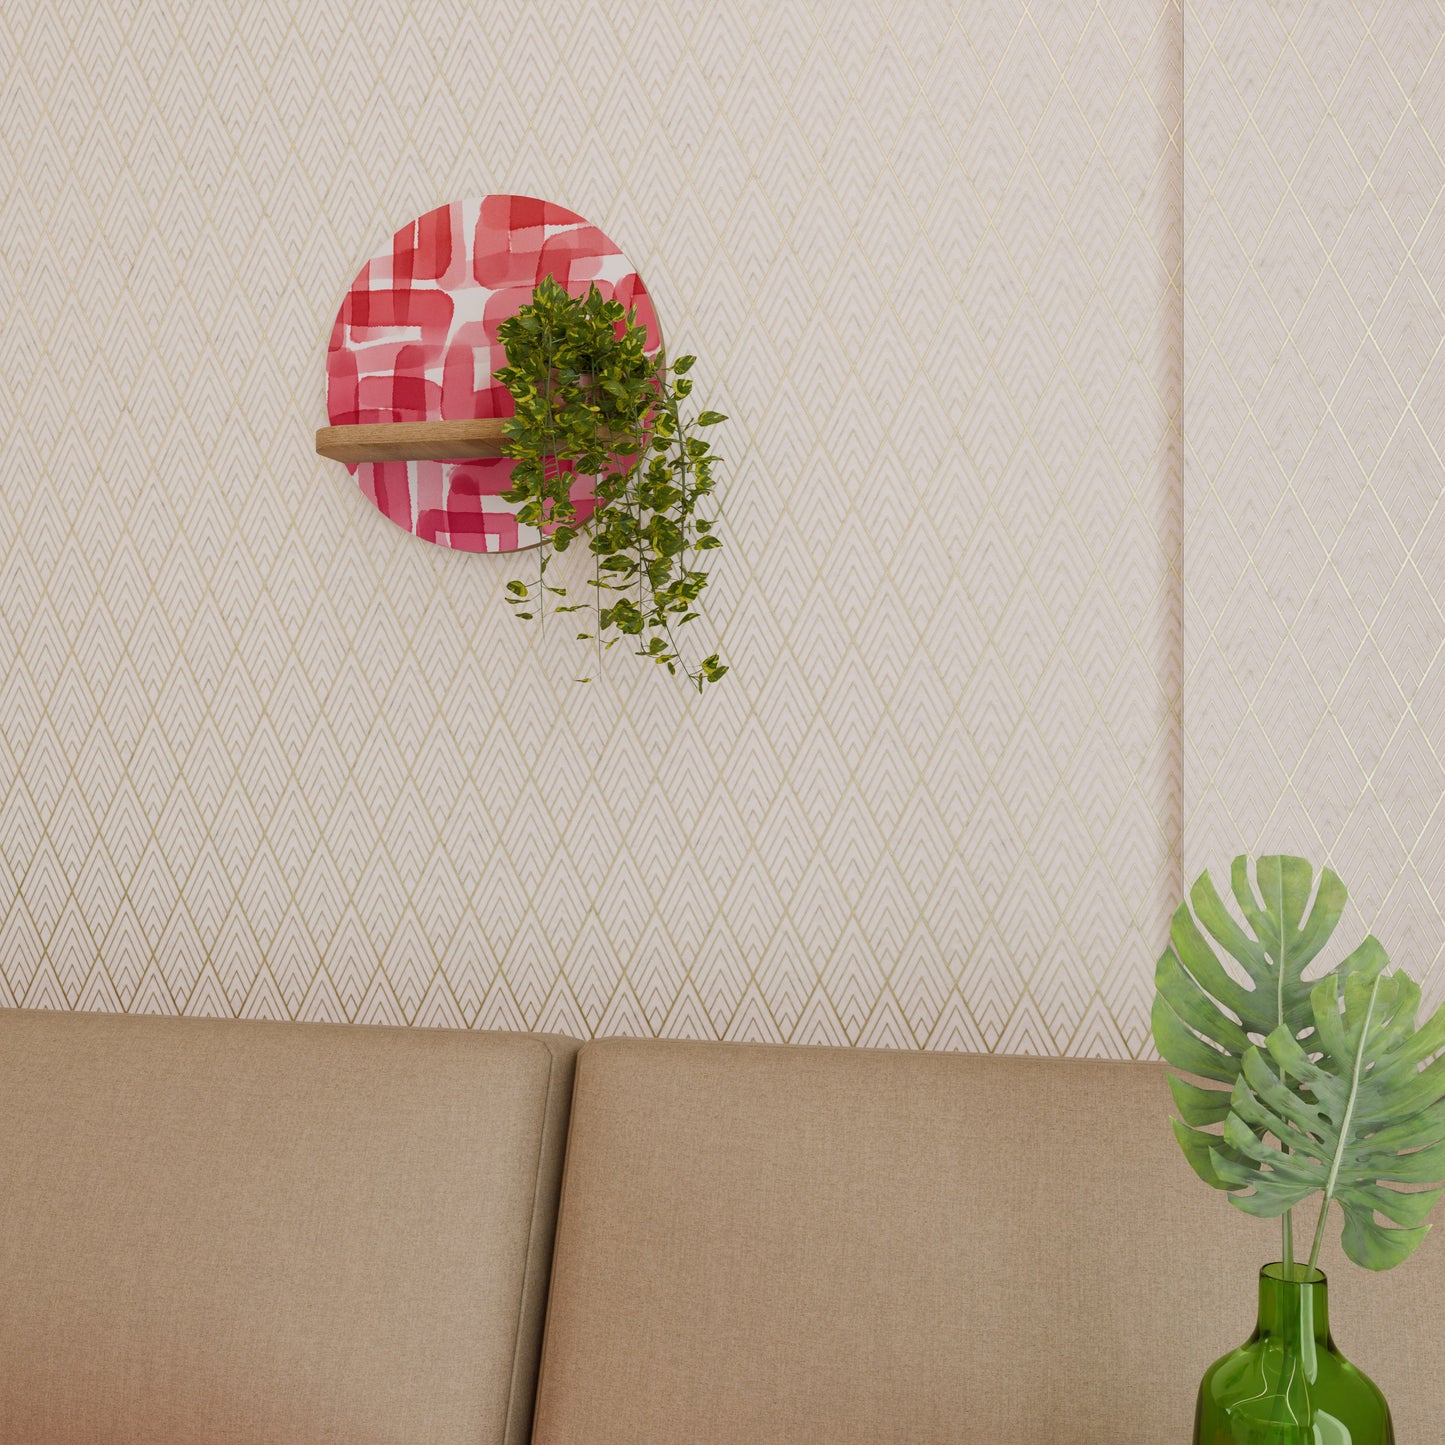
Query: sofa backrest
[817, 1245]
[225, 1231]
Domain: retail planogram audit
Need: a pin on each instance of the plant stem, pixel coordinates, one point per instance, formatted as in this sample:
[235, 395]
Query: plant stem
[1287, 1219]
[1319, 1230]
[1355, 1074]
[542, 487]
[675, 410]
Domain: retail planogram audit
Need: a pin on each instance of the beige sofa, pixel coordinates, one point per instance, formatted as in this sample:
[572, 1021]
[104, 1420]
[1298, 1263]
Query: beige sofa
[216, 1232]
[233, 1232]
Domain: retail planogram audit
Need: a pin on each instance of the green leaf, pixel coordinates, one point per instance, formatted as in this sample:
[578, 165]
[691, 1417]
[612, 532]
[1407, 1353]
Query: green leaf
[710, 418]
[1335, 1106]
[1207, 1018]
[1198, 1107]
[1207, 1156]
[1186, 1050]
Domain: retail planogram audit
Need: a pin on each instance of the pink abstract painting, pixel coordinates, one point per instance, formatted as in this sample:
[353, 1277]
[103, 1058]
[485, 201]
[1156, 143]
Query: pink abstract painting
[416, 340]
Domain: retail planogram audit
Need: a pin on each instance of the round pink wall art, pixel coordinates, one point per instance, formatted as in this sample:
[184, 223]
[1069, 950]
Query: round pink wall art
[416, 340]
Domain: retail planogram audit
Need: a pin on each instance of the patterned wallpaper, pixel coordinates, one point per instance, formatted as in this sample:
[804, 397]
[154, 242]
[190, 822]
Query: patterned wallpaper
[1314, 714]
[263, 753]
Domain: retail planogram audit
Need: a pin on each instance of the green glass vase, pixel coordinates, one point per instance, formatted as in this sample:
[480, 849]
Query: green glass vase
[1287, 1384]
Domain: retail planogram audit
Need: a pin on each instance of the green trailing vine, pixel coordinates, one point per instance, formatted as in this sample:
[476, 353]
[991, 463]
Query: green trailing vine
[591, 403]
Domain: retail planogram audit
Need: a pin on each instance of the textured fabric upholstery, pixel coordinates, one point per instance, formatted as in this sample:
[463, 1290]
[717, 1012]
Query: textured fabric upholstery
[817, 1245]
[234, 1233]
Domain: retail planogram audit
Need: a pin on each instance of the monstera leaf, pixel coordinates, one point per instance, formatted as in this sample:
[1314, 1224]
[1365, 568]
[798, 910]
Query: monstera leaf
[1354, 1110]
[1205, 1019]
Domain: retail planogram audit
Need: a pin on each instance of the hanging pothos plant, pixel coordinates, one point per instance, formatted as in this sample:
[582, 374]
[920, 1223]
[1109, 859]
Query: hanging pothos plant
[592, 404]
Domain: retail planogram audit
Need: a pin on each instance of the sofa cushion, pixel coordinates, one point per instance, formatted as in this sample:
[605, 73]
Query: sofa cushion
[818, 1245]
[241, 1232]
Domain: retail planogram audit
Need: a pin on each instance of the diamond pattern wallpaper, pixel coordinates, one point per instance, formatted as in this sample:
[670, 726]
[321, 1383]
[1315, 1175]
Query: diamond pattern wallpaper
[262, 753]
[1314, 713]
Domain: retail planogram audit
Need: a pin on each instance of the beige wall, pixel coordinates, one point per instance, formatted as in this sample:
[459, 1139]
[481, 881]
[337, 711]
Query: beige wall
[1314, 715]
[262, 753]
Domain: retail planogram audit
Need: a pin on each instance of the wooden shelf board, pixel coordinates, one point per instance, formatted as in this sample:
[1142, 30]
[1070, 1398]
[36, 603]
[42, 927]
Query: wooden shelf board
[412, 441]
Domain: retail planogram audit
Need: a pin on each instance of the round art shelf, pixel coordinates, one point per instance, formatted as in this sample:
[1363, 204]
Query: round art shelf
[415, 409]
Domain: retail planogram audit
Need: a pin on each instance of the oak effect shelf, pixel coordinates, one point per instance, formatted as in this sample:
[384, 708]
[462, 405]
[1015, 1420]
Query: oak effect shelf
[412, 441]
